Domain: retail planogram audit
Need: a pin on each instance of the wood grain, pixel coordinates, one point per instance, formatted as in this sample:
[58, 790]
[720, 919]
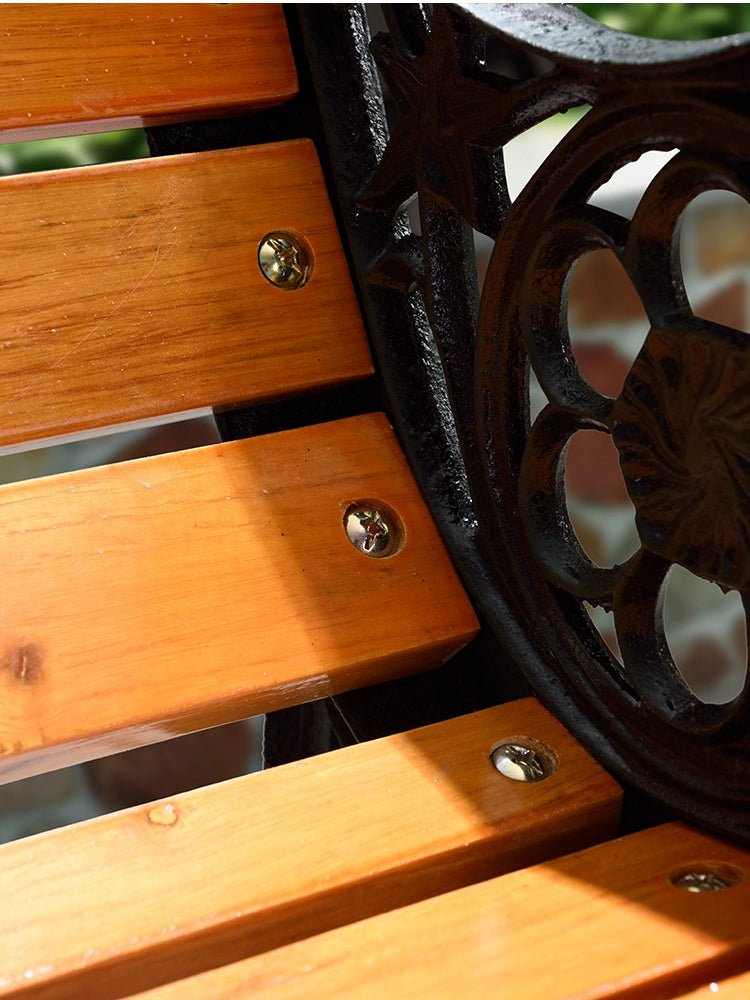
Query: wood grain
[133, 290]
[75, 68]
[603, 923]
[178, 592]
[240, 867]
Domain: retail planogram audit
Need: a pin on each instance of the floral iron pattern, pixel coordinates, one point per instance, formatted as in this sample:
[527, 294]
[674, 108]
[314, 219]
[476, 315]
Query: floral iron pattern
[682, 427]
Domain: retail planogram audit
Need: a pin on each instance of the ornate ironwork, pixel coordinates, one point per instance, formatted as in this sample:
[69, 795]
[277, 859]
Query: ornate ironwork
[457, 365]
[682, 428]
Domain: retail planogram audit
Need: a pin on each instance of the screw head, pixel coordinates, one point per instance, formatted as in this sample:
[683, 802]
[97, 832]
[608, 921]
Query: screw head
[284, 260]
[701, 882]
[372, 529]
[523, 762]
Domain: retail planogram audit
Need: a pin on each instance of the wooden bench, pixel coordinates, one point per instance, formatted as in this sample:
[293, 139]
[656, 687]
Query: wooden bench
[161, 596]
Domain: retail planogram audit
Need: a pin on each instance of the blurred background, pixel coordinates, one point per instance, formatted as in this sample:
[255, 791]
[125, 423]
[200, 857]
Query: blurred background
[672, 20]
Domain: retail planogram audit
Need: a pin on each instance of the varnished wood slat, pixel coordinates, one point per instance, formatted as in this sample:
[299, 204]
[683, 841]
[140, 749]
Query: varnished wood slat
[75, 68]
[132, 290]
[261, 860]
[181, 591]
[603, 923]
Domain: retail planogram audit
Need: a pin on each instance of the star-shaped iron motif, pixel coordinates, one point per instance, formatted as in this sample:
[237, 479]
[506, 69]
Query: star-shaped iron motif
[454, 117]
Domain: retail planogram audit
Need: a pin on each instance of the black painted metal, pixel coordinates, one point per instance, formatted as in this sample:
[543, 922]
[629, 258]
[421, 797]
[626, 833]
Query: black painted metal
[456, 364]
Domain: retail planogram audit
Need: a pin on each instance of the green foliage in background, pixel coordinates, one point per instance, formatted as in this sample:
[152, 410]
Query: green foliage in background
[652, 20]
[76, 151]
[672, 20]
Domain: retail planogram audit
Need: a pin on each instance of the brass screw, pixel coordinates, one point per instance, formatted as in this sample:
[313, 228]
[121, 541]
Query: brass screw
[701, 882]
[371, 530]
[522, 762]
[284, 260]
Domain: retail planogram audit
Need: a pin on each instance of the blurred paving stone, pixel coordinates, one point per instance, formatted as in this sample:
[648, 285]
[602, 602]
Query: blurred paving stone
[173, 766]
[722, 235]
[601, 292]
[45, 802]
[729, 306]
[705, 664]
[42, 788]
[603, 367]
[592, 469]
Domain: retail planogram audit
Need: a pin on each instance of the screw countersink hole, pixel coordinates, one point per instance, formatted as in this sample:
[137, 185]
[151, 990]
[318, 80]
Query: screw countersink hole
[710, 877]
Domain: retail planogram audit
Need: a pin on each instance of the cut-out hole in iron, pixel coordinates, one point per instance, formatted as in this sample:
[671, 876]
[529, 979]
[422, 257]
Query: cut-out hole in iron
[715, 258]
[415, 220]
[607, 323]
[707, 636]
[537, 397]
[527, 152]
[599, 508]
[624, 189]
[483, 247]
[604, 623]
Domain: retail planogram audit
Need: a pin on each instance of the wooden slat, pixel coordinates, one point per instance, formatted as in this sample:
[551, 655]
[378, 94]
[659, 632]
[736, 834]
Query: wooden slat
[74, 68]
[603, 923]
[182, 591]
[132, 290]
[251, 863]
